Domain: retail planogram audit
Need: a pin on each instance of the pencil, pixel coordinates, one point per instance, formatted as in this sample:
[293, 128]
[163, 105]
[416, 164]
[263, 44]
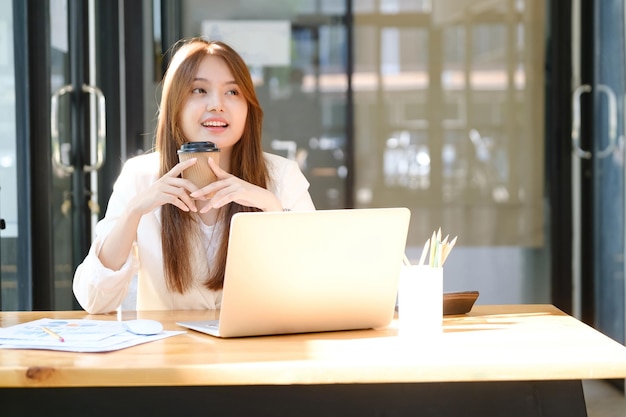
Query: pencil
[405, 259]
[448, 247]
[53, 334]
[433, 249]
[424, 252]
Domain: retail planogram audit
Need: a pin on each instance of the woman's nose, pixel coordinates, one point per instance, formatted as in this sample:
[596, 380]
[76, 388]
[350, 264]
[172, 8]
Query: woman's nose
[214, 103]
[214, 108]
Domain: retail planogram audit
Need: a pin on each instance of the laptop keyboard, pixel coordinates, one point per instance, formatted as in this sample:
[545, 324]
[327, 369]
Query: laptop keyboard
[215, 325]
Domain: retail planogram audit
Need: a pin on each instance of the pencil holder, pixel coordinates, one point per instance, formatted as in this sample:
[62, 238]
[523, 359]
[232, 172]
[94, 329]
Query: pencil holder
[420, 301]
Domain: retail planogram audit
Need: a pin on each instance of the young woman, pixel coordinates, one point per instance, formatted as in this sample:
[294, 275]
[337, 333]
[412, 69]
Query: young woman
[161, 227]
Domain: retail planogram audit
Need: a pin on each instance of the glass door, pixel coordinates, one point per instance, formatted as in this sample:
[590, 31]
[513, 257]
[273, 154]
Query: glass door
[53, 155]
[78, 134]
[609, 85]
[598, 167]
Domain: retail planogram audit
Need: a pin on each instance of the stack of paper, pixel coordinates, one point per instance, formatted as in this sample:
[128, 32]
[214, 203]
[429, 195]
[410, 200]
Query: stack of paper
[74, 335]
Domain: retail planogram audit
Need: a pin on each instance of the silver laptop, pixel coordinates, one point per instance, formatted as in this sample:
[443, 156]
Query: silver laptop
[302, 272]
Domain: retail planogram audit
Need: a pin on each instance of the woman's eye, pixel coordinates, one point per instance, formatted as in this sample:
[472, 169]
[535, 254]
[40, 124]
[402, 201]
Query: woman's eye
[232, 93]
[198, 91]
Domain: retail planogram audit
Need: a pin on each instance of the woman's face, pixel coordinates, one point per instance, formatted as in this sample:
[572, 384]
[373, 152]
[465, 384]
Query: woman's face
[215, 109]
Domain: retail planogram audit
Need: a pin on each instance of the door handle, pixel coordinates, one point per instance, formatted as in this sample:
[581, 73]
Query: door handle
[54, 130]
[98, 115]
[579, 91]
[612, 121]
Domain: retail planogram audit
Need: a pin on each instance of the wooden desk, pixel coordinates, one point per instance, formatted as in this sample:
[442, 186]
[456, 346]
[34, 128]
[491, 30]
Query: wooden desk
[513, 360]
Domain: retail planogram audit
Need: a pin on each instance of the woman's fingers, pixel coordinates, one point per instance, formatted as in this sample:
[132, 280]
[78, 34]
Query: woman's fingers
[170, 189]
[217, 170]
[220, 174]
[176, 193]
[229, 188]
[181, 187]
[226, 193]
[181, 166]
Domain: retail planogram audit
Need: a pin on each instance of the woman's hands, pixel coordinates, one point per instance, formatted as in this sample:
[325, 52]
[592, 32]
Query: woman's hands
[172, 189]
[169, 189]
[229, 188]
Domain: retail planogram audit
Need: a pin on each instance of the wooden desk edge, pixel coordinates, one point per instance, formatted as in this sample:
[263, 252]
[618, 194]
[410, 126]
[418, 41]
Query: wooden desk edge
[259, 372]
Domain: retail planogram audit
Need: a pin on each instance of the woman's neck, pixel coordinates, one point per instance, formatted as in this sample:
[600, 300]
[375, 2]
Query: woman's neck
[209, 218]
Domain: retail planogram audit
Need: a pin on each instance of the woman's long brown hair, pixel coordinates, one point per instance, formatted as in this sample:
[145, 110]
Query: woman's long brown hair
[179, 228]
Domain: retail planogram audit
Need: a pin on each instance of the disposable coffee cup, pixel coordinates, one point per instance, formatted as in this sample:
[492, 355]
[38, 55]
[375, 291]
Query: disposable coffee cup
[200, 173]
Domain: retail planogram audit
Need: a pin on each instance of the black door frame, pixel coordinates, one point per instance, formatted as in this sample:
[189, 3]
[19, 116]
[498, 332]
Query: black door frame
[558, 150]
[34, 260]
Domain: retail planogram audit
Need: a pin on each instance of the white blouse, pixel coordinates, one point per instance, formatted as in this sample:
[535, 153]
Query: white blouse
[100, 290]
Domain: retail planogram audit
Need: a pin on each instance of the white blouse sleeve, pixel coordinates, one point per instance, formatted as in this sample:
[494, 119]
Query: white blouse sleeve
[289, 184]
[97, 288]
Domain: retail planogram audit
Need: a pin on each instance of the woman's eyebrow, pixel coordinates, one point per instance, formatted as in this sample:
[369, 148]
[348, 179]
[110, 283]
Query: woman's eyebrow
[233, 82]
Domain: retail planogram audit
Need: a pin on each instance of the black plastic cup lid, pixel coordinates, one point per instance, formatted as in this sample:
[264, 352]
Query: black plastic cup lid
[189, 147]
